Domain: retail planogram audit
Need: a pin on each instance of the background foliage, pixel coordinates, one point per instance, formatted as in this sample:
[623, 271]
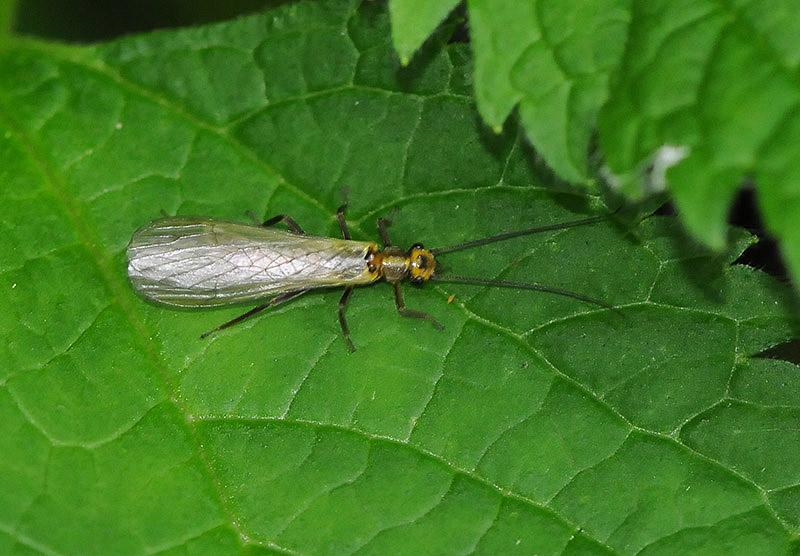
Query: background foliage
[531, 424]
[704, 92]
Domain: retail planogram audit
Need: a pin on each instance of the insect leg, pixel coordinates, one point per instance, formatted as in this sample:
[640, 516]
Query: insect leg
[283, 298]
[383, 224]
[342, 223]
[288, 220]
[342, 321]
[401, 308]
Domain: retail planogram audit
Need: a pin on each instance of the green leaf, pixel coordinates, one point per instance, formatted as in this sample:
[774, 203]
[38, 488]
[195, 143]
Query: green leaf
[6, 18]
[532, 423]
[413, 21]
[716, 81]
[554, 60]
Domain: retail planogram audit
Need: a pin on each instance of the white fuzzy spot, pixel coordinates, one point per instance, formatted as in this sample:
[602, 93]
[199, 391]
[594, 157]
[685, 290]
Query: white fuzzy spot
[664, 158]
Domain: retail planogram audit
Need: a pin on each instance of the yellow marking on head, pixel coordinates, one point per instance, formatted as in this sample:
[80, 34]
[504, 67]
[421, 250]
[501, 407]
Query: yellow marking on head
[421, 264]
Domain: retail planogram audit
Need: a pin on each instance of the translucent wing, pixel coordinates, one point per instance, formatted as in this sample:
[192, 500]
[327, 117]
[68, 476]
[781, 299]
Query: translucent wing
[196, 262]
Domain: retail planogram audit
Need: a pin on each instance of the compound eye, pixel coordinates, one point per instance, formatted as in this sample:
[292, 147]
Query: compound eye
[417, 246]
[417, 280]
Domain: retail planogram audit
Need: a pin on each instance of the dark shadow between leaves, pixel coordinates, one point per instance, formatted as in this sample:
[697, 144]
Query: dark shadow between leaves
[787, 351]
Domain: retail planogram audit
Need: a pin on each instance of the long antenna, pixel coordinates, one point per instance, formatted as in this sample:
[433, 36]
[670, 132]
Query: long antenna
[509, 235]
[523, 286]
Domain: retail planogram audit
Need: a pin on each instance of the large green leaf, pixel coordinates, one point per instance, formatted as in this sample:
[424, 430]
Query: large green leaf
[531, 424]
